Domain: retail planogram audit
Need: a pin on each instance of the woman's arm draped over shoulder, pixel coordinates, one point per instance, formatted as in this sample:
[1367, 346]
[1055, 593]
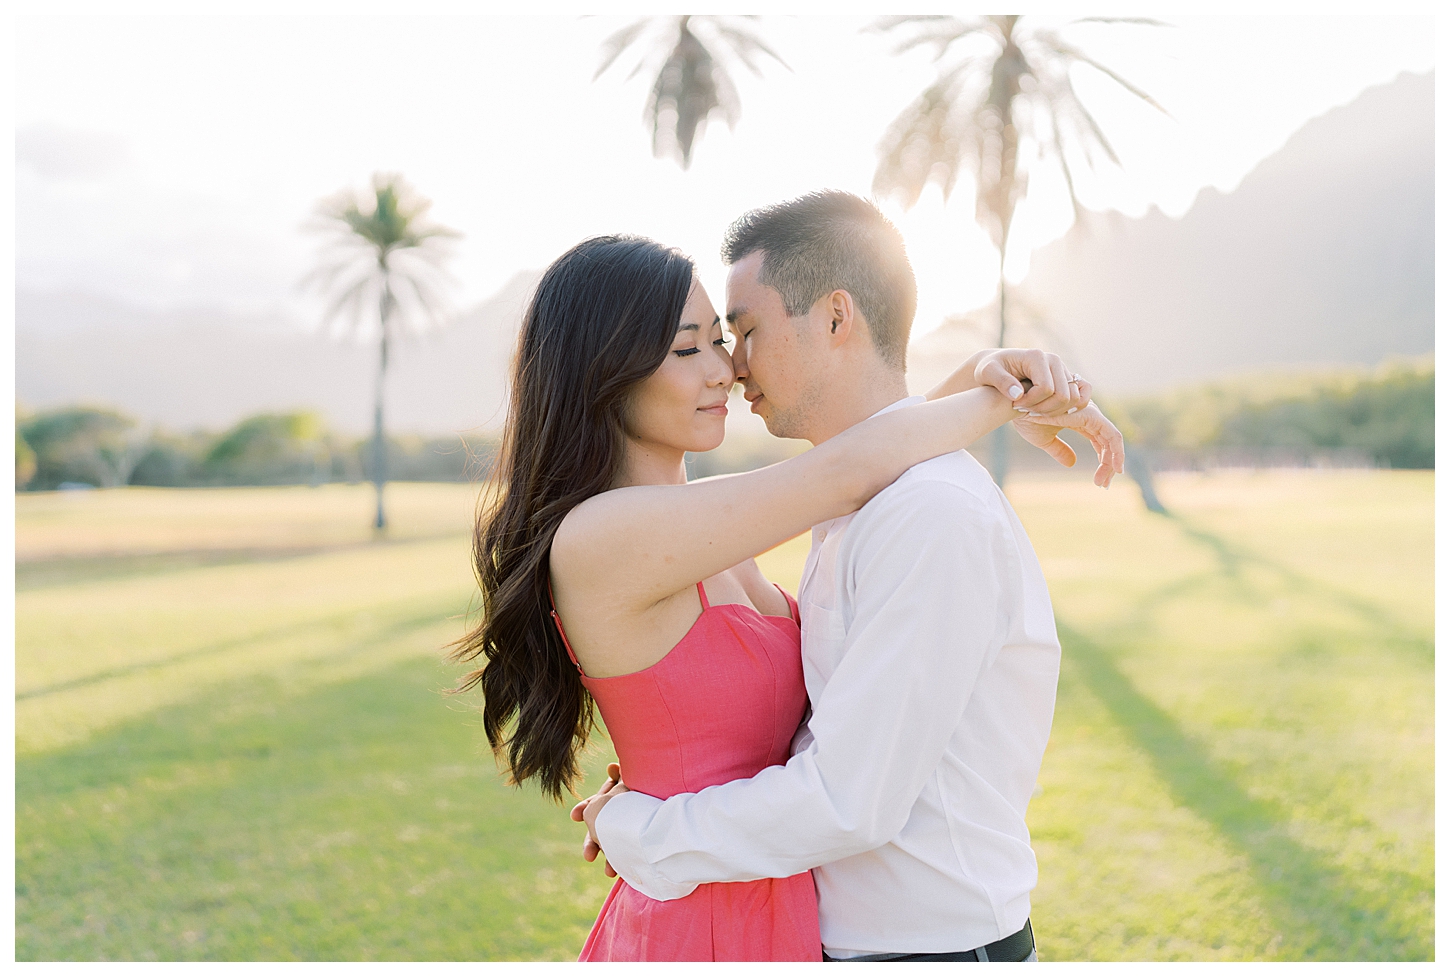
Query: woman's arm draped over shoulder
[1051, 387]
[638, 545]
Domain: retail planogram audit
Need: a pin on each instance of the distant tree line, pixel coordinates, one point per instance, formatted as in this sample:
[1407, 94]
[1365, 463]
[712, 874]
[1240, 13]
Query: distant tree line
[1384, 418]
[105, 448]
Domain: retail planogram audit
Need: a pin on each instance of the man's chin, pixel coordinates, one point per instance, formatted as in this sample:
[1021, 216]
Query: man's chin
[774, 424]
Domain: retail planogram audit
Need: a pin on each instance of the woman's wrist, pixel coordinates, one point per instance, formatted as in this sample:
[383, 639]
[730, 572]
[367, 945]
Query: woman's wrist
[962, 379]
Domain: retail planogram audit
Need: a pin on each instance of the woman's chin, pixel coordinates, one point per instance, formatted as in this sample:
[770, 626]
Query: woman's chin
[708, 442]
[708, 437]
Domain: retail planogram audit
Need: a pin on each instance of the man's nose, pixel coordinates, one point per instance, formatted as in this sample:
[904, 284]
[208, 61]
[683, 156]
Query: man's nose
[737, 357]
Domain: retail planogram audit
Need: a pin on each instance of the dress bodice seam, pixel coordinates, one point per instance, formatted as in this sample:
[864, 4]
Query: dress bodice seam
[746, 608]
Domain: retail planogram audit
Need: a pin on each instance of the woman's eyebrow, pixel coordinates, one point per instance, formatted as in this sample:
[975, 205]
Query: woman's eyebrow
[688, 325]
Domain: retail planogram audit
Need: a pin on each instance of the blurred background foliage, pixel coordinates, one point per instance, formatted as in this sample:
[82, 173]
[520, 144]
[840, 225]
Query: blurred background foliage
[1383, 418]
[98, 447]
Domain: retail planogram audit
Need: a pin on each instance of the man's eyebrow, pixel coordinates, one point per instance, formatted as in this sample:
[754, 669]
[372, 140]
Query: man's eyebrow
[736, 313]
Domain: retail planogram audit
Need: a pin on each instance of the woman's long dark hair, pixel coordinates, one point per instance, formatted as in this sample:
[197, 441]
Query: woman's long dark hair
[603, 319]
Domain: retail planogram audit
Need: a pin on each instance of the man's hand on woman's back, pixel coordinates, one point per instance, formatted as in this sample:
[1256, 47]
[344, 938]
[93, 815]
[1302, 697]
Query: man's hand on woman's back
[588, 810]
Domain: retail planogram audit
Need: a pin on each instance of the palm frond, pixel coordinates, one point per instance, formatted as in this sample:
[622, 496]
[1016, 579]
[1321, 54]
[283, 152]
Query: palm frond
[692, 84]
[937, 30]
[687, 86]
[747, 45]
[931, 140]
[346, 306]
[884, 24]
[1142, 21]
[1059, 150]
[375, 241]
[1028, 100]
[1072, 51]
[1089, 133]
[615, 44]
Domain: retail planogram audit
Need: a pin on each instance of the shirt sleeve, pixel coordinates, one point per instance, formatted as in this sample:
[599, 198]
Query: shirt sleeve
[923, 623]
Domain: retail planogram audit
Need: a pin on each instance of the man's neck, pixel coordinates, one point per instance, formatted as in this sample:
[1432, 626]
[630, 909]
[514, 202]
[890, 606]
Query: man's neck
[858, 401]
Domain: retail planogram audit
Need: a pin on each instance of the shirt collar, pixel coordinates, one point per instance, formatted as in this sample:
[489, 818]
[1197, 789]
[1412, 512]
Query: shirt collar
[903, 402]
[832, 526]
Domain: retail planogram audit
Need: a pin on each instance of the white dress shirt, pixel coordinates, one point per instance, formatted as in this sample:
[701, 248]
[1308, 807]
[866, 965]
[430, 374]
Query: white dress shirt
[931, 661]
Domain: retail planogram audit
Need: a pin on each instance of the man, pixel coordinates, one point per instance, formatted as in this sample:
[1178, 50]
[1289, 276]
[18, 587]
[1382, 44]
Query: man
[929, 646]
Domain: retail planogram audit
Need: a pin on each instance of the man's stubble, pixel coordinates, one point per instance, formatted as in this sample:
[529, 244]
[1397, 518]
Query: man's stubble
[800, 419]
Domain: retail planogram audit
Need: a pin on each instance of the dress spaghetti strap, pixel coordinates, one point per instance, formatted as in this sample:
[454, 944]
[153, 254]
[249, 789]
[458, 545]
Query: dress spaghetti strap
[554, 613]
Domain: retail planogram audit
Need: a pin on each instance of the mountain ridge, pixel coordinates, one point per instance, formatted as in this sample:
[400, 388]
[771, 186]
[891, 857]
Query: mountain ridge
[1324, 253]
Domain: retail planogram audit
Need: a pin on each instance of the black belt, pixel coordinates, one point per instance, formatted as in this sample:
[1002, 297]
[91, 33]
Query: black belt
[1017, 947]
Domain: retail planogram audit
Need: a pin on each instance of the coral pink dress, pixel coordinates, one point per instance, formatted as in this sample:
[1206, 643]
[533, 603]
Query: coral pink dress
[722, 705]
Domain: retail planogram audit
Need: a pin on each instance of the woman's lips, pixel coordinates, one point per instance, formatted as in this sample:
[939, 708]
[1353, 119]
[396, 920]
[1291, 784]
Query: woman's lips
[719, 410]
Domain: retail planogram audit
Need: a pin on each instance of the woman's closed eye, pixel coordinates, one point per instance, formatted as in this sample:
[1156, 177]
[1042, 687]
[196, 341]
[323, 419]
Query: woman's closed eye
[695, 349]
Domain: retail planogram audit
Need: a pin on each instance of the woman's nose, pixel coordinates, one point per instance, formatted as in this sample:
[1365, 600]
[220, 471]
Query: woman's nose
[723, 373]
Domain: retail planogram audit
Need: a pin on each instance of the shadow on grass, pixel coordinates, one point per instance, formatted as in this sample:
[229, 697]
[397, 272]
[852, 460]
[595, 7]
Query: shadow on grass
[358, 820]
[387, 632]
[1323, 912]
[39, 574]
[1233, 558]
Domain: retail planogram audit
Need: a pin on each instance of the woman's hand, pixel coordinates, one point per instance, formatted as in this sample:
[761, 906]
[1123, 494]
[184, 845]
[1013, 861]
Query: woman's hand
[1106, 439]
[1034, 380]
[588, 810]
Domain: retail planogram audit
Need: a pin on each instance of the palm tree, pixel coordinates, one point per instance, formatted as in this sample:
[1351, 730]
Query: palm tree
[692, 85]
[1003, 85]
[382, 253]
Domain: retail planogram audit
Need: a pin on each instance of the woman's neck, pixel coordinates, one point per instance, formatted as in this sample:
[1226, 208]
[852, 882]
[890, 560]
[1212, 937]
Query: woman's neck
[651, 464]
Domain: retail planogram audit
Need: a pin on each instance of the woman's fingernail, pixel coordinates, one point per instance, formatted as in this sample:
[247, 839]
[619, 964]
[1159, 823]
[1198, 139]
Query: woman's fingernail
[1033, 413]
[1022, 410]
[1015, 392]
[1072, 410]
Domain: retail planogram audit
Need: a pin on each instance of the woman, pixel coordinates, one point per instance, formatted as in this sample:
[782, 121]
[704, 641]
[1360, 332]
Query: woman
[608, 580]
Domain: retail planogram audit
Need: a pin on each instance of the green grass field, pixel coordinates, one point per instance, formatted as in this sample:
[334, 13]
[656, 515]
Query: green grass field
[230, 742]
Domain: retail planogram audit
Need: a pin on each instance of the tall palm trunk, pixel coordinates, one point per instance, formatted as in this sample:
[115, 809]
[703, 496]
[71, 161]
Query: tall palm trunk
[1000, 441]
[380, 444]
[1001, 200]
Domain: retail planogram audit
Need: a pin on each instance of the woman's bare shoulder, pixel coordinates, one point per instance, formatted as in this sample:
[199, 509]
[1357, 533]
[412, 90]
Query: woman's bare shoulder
[582, 533]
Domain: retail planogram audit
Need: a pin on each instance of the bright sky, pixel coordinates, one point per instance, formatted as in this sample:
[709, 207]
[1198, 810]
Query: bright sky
[170, 161]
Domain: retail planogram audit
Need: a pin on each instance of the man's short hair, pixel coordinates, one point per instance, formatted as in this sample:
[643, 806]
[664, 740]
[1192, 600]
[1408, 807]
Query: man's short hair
[827, 240]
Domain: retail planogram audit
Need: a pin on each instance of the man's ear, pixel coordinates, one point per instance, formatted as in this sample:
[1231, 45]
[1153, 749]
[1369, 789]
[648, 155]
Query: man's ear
[841, 307]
